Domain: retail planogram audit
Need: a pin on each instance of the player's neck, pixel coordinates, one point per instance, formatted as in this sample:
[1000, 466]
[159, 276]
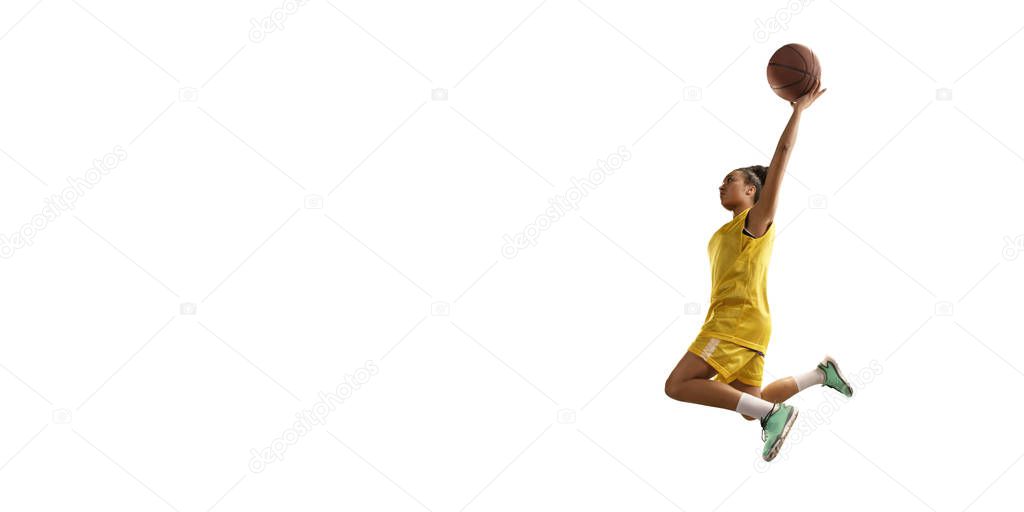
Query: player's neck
[739, 210]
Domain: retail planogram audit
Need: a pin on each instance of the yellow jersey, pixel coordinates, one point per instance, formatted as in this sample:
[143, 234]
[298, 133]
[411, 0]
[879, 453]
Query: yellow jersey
[739, 285]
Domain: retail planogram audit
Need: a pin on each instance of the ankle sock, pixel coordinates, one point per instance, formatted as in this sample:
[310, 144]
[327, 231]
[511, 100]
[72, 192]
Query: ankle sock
[815, 376]
[753, 406]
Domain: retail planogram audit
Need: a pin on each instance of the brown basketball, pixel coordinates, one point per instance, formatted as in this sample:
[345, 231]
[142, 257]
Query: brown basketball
[792, 71]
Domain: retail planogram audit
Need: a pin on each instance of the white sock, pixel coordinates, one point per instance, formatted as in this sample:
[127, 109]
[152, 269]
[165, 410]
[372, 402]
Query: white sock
[815, 376]
[753, 406]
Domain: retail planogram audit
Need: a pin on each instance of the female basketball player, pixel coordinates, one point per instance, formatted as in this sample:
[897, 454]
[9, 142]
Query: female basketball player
[730, 348]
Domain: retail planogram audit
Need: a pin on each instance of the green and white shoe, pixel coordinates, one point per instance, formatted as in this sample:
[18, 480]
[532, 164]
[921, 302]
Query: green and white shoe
[775, 426]
[834, 378]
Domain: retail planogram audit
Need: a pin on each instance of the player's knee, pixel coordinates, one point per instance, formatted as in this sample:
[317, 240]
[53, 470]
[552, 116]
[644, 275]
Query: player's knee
[670, 388]
[673, 388]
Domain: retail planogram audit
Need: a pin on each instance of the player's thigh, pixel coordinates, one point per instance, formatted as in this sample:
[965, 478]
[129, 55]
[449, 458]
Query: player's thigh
[748, 378]
[691, 366]
[746, 388]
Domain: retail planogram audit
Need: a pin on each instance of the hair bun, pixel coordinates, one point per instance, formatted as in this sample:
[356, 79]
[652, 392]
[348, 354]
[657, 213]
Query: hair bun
[762, 173]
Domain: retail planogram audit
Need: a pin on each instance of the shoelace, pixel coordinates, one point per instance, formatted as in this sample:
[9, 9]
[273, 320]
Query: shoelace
[764, 422]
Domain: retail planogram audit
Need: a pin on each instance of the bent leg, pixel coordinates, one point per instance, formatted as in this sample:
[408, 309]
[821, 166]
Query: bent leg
[689, 382]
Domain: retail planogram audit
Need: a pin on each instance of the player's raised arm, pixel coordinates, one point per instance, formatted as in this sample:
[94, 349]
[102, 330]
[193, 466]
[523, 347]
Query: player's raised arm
[762, 213]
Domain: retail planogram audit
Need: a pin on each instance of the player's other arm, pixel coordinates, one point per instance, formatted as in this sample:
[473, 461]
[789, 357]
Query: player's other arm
[763, 213]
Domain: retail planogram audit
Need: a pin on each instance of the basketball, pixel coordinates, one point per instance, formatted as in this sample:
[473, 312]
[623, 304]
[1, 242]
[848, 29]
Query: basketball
[792, 71]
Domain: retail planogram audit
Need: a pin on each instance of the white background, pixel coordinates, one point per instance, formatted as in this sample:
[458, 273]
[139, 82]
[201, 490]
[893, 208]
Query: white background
[542, 386]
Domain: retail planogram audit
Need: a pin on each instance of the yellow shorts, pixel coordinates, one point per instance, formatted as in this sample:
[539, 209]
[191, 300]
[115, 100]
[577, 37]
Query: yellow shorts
[731, 361]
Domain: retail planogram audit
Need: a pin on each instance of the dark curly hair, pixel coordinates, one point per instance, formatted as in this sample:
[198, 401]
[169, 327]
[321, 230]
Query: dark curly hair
[755, 175]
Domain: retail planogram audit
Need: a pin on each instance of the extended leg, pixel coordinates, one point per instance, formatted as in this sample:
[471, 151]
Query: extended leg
[826, 373]
[782, 389]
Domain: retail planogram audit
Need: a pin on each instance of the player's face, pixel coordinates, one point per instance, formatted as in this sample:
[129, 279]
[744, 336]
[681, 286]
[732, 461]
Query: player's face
[731, 189]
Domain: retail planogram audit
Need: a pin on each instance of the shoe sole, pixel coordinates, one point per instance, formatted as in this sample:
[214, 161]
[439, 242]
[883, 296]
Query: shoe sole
[782, 437]
[828, 359]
